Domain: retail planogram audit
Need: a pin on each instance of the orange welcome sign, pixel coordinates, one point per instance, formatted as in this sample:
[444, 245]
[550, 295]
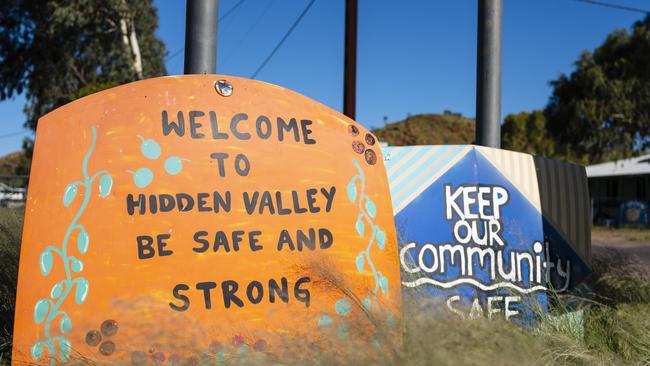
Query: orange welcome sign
[182, 218]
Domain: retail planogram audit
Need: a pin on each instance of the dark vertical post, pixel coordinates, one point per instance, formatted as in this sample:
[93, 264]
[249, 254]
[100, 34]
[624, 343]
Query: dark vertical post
[488, 74]
[350, 67]
[201, 36]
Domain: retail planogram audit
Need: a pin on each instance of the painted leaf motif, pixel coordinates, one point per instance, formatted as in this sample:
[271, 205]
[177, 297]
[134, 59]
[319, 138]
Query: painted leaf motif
[371, 208]
[40, 310]
[342, 307]
[46, 262]
[64, 349]
[69, 194]
[66, 324]
[383, 283]
[105, 185]
[37, 351]
[360, 227]
[324, 320]
[82, 241]
[366, 303]
[57, 289]
[381, 239]
[81, 291]
[76, 265]
[360, 262]
[352, 191]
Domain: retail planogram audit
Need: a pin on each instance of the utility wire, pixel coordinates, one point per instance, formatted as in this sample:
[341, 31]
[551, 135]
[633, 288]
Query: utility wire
[249, 31]
[230, 11]
[615, 6]
[286, 35]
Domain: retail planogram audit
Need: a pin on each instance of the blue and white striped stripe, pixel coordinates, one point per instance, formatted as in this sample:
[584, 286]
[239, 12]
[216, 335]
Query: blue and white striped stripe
[412, 169]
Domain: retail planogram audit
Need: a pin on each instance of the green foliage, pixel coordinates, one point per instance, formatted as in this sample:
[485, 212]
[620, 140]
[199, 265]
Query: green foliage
[14, 164]
[601, 111]
[56, 51]
[526, 132]
[428, 129]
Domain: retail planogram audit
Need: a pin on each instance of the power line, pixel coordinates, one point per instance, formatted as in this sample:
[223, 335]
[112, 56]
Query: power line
[221, 18]
[615, 6]
[286, 35]
[249, 31]
[14, 134]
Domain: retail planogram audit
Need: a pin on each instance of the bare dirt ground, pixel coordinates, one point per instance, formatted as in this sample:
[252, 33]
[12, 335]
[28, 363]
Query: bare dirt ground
[631, 242]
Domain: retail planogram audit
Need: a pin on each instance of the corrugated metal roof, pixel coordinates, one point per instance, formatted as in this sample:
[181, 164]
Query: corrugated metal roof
[634, 166]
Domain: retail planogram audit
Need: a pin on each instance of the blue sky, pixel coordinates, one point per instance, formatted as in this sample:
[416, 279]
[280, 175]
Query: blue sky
[414, 56]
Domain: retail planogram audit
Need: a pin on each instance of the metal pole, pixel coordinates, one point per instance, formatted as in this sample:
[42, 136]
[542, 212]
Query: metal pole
[350, 66]
[201, 36]
[488, 74]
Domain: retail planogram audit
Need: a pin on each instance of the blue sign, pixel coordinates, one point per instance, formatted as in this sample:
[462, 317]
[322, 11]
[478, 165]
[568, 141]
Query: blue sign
[470, 229]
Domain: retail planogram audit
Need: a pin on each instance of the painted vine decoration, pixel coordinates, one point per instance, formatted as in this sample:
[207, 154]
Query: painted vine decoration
[367, 213]
[47, 310]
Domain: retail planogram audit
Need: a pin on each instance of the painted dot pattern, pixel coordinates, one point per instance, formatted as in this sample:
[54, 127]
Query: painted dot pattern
[370, 139]
[107, 329]
[107, 348]
[360, 148]
[151, 150]
[93, 338]
[371, 157]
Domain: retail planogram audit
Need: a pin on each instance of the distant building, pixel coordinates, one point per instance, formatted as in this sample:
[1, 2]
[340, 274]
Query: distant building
[12, 196]
[615, 183]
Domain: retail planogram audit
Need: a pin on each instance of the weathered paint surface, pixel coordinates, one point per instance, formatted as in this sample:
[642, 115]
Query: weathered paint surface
[470, 228]
[143, 241]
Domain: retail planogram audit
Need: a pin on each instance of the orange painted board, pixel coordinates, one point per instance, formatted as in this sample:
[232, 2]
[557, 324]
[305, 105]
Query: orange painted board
[165, 219]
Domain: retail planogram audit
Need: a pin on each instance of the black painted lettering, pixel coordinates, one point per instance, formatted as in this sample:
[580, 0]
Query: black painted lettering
[219, 157]
[234, 122]
[302, 294]
[228, 289]
[206, 287]
[285, 238]
[198, 237]
[160, 240]
[242, 165]
[167, 202]
[325, 238]
[291, 126]
[255, 292]
[201, 202]
[184, 201]
[250, 201]
[253, 240]
[145, 247]
[263, 127]
[194, 125]
[306, 132]
[131, 204]
[308, 241]
[216, 135]
[274, 289]
[177, 294]
[168, 126]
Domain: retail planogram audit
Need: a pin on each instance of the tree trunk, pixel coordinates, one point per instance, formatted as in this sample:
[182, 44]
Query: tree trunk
[130, 40]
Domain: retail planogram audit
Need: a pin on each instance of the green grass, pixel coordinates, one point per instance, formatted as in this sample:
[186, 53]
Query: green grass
[616, 321]
[10, 232]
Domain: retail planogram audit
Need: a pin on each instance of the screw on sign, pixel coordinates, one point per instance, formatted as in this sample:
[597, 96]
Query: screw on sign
[247, 185]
